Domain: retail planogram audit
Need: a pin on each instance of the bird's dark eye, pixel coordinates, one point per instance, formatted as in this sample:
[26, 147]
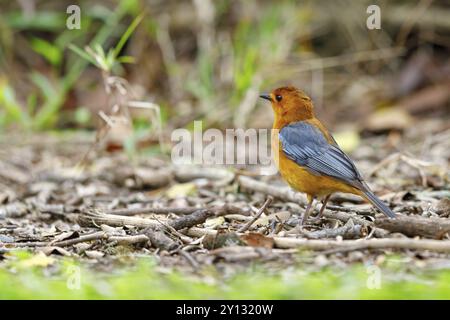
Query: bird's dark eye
[278, 97]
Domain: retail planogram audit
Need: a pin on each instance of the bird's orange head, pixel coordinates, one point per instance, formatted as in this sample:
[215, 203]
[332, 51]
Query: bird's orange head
[289, 105]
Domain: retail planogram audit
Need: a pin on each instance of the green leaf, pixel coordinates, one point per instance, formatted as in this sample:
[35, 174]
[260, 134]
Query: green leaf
[126, 59]
[82, 115]
[44, 85]
[83, 54]
[8, 101]
[46, 49]
[40, 20]
[127, 34]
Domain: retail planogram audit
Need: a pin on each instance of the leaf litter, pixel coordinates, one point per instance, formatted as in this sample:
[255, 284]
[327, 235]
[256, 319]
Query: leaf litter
[192, 218]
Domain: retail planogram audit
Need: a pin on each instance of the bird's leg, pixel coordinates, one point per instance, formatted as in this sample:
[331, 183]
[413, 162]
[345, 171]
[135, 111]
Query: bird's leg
[307, 211]
[322, 209]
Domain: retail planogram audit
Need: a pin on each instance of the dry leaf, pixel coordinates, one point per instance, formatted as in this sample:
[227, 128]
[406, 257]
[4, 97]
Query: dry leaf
[262, 221]
[181, 190]
[66, 236]
[254, 239]
[50, 232]
[56, 250]
[389, 119]
[213, 223]
[282, 216]
[348, 140]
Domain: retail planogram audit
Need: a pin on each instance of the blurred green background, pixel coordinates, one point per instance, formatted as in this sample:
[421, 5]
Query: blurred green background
[38, 276]
[209, 59]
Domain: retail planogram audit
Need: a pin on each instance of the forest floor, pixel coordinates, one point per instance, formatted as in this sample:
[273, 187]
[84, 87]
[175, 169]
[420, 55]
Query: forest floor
[204, 223]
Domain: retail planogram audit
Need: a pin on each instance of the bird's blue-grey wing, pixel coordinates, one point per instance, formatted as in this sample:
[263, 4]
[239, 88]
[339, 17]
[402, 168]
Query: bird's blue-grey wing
[308, 147]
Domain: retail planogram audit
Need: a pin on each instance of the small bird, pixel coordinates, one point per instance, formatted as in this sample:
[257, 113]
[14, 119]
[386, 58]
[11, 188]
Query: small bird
[308, 157]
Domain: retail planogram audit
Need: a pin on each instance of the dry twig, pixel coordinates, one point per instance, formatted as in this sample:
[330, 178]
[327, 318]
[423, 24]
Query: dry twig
[350, 245]
[246, 226]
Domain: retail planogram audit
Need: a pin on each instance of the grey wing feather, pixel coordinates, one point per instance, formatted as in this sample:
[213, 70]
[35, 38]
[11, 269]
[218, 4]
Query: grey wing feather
[307, 146]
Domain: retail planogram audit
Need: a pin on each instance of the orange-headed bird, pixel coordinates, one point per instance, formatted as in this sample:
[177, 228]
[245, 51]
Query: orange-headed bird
[309, 158]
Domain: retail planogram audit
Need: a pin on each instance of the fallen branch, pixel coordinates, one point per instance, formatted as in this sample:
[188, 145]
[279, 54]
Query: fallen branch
[218, 210]
[387, 243]
[100, 235]
[127, 240]
[416, 226]
[136, 211]
[350, 245]
[83, 238]
[191, 220]
[94, 217]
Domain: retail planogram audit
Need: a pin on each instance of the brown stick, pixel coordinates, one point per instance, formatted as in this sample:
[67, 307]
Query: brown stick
[94, 217]
[415, 226]
[160, 240]
[386, 243]
[218, 210]
[246, 226]
[100, 235]
[139, 238]
[350, 245]
[191, 220]
[136, 211]
[84, 238]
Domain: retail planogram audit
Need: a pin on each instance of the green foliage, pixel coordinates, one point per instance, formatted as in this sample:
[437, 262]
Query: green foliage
[247, 48]
[43, 105]
[11, 111]
[24, 276]
[107, 61]
[48, 50]
[40, 20]
[255, 44]
[82, 116]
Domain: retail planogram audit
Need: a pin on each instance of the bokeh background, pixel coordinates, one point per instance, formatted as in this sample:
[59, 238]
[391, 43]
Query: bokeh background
[209, 60]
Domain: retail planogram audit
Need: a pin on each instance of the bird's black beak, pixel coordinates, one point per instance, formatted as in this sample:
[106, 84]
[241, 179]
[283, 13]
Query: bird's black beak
[266, 96]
